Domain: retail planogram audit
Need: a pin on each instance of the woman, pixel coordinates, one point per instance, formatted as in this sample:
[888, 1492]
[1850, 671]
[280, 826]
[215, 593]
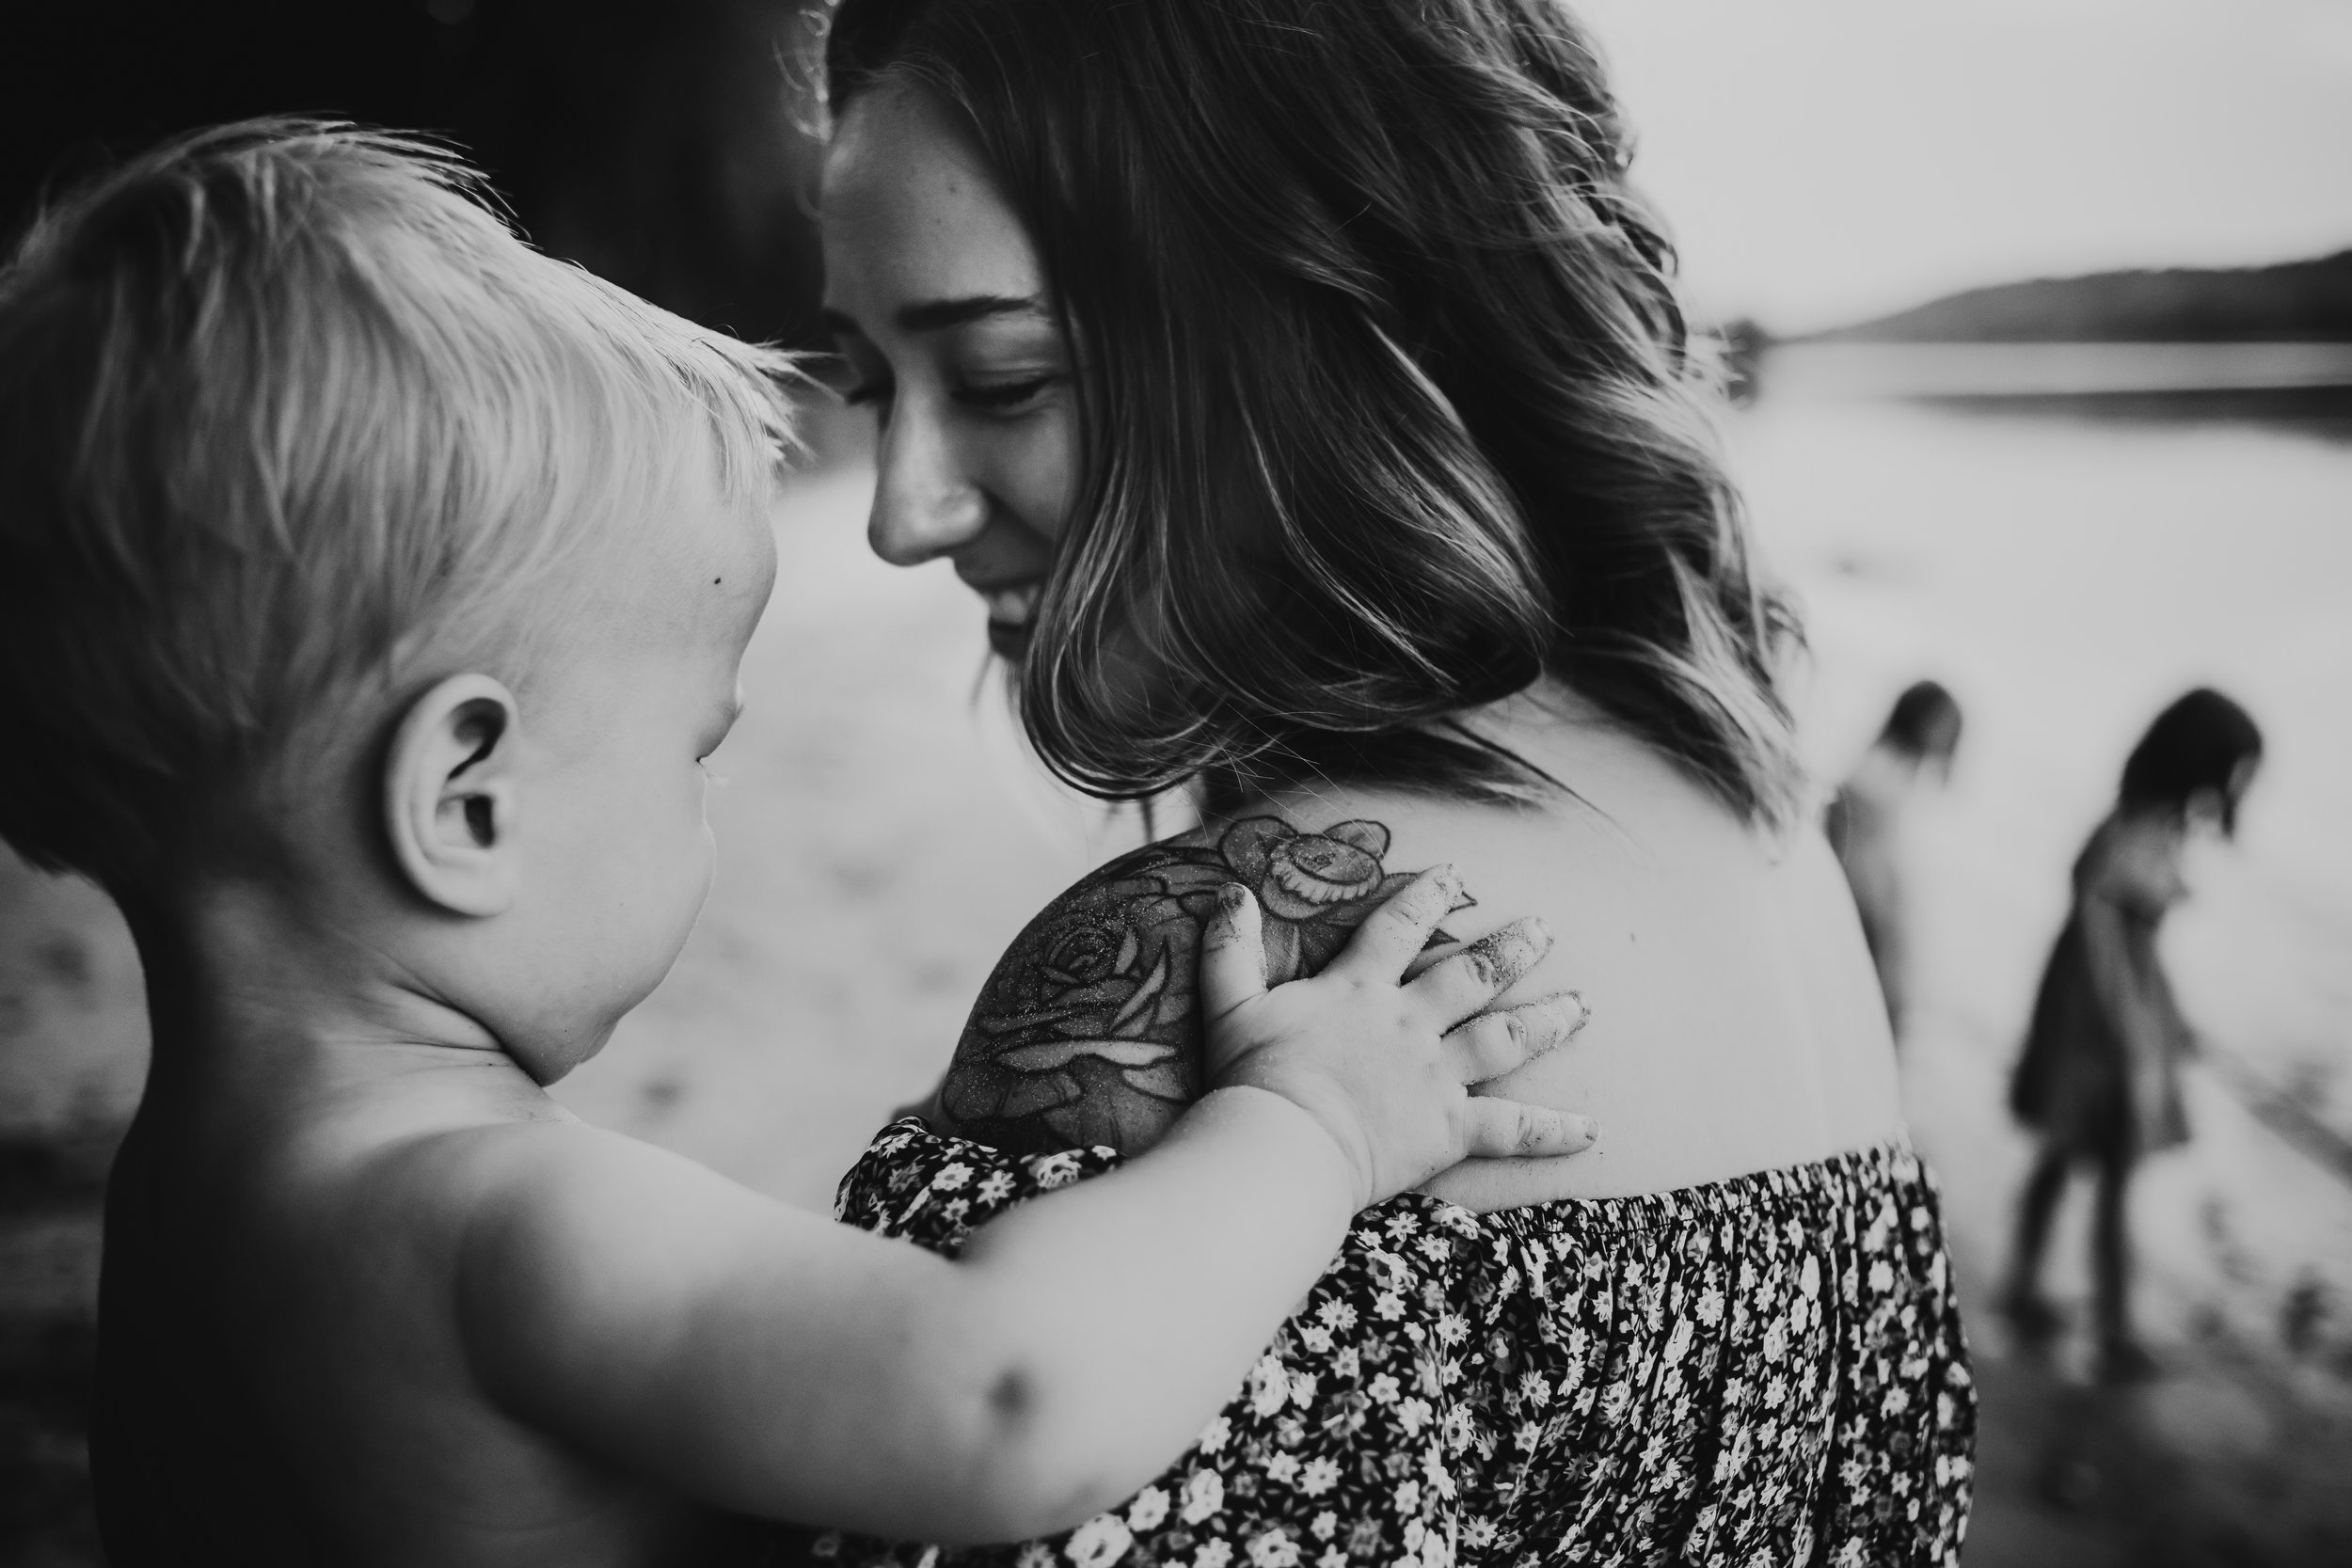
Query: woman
[1304, 391]
[2100, 1075]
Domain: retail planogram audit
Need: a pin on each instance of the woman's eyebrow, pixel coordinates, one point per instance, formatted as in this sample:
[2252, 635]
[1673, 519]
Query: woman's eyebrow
[930, 315]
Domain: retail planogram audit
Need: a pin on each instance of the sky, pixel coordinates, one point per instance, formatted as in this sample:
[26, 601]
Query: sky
[1824, 161]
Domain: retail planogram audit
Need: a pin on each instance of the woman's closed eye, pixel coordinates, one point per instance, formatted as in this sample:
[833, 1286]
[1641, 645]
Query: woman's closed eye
[995, 397]
[1007, 396]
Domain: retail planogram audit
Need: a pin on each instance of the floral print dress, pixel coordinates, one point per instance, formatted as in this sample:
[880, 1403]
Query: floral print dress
[1765, 1371]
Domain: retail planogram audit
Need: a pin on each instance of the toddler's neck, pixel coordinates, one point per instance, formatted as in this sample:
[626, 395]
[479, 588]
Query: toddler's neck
[261, 1012]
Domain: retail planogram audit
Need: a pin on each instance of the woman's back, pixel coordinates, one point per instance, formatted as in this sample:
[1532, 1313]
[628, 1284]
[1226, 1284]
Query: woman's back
[1734, 1022]
[1730, 1337]
[1727, 1333]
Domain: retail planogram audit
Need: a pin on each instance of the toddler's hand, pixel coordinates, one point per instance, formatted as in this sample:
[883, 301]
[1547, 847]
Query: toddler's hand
[1382, 1064]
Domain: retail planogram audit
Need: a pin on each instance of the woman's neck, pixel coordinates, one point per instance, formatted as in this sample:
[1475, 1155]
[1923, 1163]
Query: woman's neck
[1547, 707]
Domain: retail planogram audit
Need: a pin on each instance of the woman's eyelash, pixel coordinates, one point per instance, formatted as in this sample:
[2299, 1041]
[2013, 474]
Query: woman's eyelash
[1004, 394]
[999, 394]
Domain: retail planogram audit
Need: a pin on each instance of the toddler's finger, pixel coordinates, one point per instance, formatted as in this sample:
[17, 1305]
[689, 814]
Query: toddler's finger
[1232, 953]
[1514, 1129]
[1495, 1043]
[1463, 983]
[1394, 933]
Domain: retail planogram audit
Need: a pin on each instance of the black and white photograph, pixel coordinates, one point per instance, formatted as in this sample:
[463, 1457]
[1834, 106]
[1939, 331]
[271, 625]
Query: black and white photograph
[1176, 783]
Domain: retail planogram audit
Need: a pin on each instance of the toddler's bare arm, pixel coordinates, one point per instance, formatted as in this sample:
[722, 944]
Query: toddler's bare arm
[763, 1359]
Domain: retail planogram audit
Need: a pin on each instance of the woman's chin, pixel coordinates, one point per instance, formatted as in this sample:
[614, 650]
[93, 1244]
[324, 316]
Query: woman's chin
[1010, 640]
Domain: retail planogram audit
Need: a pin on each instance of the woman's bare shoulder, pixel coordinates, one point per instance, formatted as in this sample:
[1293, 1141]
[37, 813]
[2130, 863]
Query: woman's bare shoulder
[1612, 849]
[1736, 1022]
[1730, 995]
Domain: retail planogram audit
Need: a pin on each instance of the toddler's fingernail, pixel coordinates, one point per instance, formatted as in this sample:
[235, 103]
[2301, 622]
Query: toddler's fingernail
[1232, 897]
[1572, 1003]
[1585, 1128]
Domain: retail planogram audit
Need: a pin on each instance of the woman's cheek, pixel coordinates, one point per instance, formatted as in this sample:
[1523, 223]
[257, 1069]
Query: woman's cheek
[1046, 476]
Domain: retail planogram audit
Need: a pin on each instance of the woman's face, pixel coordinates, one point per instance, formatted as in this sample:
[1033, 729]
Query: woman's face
[937, 302]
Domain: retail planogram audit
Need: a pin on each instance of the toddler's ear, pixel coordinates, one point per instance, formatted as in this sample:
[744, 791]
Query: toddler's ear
[449, 795]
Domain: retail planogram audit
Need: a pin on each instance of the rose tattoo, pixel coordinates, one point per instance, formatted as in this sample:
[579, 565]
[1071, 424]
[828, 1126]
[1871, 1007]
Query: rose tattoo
[1088, 1030]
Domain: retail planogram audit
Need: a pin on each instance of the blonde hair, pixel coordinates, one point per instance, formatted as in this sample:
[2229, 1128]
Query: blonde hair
[277, 400]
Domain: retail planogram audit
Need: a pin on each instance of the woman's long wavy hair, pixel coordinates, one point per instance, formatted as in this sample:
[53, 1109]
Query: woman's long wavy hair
[1386, 402]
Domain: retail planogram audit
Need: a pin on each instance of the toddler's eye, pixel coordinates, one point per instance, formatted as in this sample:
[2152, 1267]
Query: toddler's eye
[860, 394]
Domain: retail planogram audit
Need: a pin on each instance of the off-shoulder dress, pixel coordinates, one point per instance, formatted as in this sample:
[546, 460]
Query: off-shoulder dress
[1768, 1369]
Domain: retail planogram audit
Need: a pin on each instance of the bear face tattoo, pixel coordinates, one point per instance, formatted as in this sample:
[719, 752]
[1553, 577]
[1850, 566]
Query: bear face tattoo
[1087, 1033]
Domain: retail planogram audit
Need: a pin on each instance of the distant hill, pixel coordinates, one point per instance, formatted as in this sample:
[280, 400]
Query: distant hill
[2295, 302]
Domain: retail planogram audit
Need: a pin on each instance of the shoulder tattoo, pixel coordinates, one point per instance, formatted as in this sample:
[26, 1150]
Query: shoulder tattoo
[1087, 1033]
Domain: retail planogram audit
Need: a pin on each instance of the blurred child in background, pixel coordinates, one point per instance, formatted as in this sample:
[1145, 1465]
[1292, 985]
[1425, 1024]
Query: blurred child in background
[2100, 1076]
[1865, 825]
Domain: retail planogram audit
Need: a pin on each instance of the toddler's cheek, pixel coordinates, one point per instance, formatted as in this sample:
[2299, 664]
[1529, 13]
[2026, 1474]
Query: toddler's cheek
[686, 879]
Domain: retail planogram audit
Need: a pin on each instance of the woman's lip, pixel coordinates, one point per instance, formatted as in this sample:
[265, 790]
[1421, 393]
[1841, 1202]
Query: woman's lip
[1009, 640]
[1012, 604]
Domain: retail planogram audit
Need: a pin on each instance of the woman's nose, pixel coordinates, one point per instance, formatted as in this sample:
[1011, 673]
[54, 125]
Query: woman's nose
[925, 505]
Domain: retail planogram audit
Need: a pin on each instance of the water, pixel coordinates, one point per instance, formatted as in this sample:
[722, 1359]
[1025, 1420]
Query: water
[1814, 372]
[2067, 576]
